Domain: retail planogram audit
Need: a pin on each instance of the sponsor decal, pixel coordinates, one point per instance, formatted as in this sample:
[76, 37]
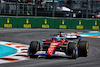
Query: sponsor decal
[80, 26]
[96, 27]
[54, 43]
[45, 25]
[8, 25]
[63, 26]
[27, 25]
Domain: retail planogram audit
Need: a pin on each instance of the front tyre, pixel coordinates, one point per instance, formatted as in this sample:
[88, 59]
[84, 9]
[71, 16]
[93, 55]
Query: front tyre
[73, 50]
[34, 47]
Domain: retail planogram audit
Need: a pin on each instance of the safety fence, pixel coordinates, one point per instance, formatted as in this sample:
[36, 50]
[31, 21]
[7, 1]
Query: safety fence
[14, 22]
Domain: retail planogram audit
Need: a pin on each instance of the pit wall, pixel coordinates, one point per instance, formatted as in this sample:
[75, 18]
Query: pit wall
[12, 22]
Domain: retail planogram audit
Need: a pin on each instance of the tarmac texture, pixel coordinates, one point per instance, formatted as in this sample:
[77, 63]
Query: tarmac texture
[25, 36]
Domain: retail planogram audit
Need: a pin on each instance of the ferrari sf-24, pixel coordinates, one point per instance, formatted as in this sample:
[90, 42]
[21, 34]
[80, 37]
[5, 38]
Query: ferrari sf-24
[59, 45]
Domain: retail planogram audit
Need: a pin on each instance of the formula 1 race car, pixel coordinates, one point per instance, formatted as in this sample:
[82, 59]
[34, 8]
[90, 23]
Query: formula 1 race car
[59, 45]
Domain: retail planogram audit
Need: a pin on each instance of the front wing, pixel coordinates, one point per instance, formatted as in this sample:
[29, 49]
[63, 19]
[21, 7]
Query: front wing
[57, 53]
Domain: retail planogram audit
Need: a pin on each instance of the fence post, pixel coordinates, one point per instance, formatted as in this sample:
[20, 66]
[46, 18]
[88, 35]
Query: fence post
[87, 10]
[16, 8]
[0, 6]
[53, 9]
[35, 7]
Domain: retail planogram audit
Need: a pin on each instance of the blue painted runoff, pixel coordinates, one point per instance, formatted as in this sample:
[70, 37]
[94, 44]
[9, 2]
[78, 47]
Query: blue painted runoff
[94, 34]
[6, 50]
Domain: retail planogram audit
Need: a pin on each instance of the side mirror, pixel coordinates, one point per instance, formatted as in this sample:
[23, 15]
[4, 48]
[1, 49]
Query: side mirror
[79, 38]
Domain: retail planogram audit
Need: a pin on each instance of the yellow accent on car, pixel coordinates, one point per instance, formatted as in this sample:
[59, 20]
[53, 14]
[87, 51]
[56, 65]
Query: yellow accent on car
[86, 45]
[76, 45]
[37, 46]
[52, 46]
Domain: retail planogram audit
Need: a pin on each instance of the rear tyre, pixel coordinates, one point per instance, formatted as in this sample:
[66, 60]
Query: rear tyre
[34, 47]
[73, 50]
[83, 48]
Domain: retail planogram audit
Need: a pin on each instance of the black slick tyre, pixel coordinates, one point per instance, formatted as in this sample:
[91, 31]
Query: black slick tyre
[34, 47]
[73, 50]
[83, 48]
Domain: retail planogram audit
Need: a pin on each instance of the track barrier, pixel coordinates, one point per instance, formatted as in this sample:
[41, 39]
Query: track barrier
[14, 22]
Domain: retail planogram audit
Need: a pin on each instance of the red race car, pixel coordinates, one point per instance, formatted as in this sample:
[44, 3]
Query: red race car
[59, 46]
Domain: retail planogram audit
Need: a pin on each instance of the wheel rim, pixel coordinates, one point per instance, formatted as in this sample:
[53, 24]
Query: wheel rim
[87, 48]
[76, 51]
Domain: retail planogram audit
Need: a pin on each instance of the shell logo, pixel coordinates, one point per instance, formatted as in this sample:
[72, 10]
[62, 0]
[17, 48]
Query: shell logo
[52, 46]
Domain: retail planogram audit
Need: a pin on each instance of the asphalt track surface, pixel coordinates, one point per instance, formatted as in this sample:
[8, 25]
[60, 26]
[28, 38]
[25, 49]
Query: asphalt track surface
[25, 36]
